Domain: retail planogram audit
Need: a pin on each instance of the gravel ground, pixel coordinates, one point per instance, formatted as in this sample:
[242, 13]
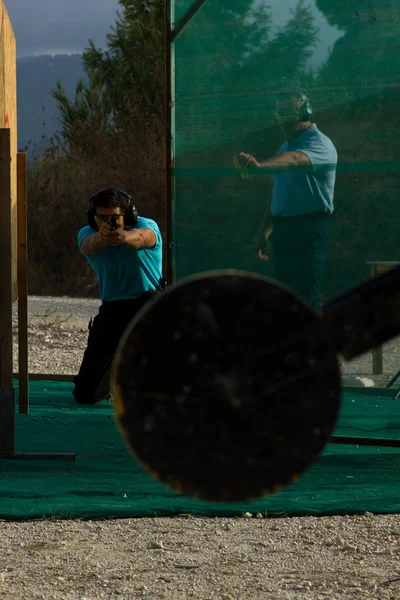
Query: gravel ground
[335, 558]
[57, 333]
[58, 329]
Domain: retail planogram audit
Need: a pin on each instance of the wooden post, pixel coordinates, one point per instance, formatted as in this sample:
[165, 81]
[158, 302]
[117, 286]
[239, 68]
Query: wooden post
[7, 400]
[377, 361]
[23, 374]
[377, 355]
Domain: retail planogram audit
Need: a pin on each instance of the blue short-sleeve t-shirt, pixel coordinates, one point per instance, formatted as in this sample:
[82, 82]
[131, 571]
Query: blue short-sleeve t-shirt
[298, 193]
[125, 273]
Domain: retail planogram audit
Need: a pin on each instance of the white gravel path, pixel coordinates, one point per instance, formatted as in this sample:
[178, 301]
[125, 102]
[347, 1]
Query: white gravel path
[61, 324]
[336, 558]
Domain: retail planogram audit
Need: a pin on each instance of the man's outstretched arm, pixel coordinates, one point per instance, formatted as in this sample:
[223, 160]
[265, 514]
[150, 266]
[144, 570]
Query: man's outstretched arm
[141, 238]
[285, 159]
[92, 244]
[144, 237]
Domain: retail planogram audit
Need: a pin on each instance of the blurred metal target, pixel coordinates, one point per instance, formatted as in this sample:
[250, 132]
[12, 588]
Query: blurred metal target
[216, 396]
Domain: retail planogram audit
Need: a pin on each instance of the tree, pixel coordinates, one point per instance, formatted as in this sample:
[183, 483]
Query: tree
[230, 61]
[123, 91]
[364, 61]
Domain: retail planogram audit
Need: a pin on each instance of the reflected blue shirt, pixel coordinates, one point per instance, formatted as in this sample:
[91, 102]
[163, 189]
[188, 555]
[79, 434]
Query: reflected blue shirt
[303, 193]
[125, 273]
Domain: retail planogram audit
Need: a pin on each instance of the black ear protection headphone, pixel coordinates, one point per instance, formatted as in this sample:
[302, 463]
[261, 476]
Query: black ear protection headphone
[130, 216]
[305, 109]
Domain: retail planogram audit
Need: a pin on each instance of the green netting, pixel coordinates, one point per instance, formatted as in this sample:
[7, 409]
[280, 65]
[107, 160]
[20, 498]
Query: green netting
[105, 482]
[230, 62]
[180, 9]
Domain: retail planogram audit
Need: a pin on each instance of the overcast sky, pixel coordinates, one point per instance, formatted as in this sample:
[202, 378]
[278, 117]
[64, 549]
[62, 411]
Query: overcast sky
[60, 26]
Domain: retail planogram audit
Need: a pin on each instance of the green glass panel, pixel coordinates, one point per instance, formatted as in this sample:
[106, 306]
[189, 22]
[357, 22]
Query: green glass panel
[231, 63]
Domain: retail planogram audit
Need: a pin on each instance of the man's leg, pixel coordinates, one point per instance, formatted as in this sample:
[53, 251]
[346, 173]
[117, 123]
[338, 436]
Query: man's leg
[98, 354]
[300, 249]
[92, 383]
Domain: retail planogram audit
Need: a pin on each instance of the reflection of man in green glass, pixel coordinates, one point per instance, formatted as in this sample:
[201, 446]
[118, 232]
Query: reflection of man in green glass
[304, 171]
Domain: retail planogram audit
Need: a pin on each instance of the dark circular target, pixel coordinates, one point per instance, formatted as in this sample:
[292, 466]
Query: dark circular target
[212, 394]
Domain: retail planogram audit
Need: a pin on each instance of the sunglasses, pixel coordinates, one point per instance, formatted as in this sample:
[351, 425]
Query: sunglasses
[111, 218]
[280, 114]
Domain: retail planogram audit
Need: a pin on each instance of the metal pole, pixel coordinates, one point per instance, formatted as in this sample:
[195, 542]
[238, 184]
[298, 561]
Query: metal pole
[168, 153]
[187, 17]
[358, 441]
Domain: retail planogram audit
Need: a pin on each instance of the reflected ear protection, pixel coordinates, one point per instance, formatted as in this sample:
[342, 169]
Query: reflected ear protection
[305, 108]
[305, 111]
[130, 216]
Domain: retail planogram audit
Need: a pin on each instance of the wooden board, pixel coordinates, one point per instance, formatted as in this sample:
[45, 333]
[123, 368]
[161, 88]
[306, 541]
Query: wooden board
[22, 285]
[6, 346]
[8, 119]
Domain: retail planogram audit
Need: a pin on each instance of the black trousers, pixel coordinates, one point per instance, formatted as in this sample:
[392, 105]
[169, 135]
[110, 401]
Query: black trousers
[300, 244]
[92, 383]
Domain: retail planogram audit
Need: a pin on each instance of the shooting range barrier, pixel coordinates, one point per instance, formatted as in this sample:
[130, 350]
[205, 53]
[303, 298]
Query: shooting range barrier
[12, 240]
[228, 67]
[13, 251]
[227, 63]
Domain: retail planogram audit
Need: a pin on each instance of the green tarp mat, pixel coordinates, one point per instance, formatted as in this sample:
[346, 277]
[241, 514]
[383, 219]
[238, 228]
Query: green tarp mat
[105, 482]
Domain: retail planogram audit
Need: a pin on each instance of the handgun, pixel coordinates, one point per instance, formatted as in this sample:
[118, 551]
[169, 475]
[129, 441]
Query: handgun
[112, 220]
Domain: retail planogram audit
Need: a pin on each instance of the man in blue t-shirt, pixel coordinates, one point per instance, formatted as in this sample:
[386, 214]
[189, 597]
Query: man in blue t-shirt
[304, 172]
[125, 252]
